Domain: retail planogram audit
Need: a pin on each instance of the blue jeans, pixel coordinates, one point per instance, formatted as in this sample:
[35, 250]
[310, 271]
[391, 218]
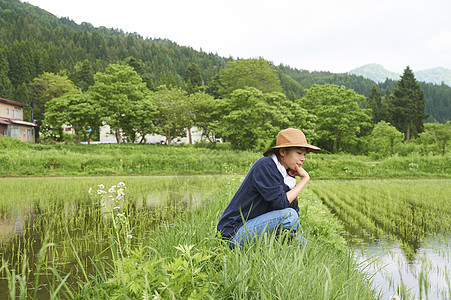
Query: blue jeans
[285, 218]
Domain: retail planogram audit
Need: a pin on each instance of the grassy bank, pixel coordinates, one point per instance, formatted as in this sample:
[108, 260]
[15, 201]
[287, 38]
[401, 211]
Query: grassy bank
[184, 260]
[18, 158]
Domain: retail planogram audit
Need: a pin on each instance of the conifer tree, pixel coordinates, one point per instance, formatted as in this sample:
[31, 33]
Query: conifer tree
[408, 105]
[375, 103]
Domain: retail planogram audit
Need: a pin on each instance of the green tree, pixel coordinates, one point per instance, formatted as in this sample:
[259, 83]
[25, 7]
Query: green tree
[78, 110]
[408, 105]
[251, 119]
[340, 117]
[384, 139]
[205, 113]
[44, 88]
[173, 114]
[439, 133]
[83, 75]
[193, 79]
[120, 91]
[6, 87]
[238, 74]
[374, 101]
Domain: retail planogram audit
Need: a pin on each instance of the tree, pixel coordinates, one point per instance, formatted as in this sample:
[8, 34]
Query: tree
[238, 74]
[83, 75]
[120, 91]
[193, 79]
[78, 110]
[205, 113]
[439, 133]
[6, 87]
[384, 138]
[251, 119]
[172, 116]
[44, 88]
[374, 102]
[408, 105]
[340, 117]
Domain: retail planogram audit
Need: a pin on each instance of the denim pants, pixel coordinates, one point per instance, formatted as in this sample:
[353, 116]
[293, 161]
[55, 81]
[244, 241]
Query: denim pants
[285, 218]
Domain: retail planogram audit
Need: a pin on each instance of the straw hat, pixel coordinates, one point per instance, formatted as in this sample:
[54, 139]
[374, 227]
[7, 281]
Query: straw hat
[291, 137]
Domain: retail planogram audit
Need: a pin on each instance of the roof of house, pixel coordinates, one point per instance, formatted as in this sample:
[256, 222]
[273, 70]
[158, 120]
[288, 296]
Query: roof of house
[12, 102]
[15, 121]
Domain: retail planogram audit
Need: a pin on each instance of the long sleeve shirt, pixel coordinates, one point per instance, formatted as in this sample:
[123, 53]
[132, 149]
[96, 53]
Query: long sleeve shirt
[263, 190]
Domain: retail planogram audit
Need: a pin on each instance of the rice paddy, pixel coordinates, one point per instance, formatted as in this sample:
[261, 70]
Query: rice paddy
[405, 225]
[399, 231]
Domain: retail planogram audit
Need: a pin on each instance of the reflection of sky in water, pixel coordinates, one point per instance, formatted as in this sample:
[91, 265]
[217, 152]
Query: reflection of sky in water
[391, 268]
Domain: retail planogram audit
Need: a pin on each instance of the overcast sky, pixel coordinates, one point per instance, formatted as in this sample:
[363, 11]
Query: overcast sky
[326, 35]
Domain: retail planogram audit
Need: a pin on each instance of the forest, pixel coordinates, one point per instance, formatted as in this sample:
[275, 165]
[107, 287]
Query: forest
[53, 64]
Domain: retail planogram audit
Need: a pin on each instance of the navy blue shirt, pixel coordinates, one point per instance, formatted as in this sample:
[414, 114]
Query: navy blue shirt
[263, 190]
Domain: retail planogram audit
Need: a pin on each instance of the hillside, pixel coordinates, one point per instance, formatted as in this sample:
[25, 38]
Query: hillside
[374, 72]
[33, 41]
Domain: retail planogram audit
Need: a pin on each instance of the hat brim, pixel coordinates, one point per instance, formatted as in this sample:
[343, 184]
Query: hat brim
[310, 148]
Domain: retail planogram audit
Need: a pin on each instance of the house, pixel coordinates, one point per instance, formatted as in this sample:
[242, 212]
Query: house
[107, 137]
[12, 123]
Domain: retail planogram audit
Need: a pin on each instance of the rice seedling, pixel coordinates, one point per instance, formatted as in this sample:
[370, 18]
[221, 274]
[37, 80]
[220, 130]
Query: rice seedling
[414, 214]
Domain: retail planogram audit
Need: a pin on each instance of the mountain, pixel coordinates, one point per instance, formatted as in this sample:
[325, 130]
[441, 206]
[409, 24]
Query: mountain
[374, 72]
[378, 74]
[435, 75]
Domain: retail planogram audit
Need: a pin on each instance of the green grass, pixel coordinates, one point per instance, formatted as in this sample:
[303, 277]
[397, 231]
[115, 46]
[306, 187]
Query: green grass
[191, 262]
[173, 252]
[20, 158]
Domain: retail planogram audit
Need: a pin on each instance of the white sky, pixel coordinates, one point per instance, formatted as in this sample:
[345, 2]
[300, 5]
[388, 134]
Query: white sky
[326, 35]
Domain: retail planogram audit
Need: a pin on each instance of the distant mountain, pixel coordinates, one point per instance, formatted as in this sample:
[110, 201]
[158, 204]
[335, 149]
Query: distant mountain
[378, 74]
[374, 72]
[435, 75]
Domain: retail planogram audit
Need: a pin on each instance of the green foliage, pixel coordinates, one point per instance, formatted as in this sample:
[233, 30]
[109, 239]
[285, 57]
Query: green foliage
[251, 119]
[173, 115]
[437, 135]
[127, 105]
[77, 110]
[239, 74]
[46, 87]
[408, 105]
[384, 140]
[340, 118]
[205, 113]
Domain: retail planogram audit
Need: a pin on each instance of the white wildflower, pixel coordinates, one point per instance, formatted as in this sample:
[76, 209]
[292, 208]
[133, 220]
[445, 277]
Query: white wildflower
[117, 207]
[112, 189]
[90, 191]
[120, 193]
[101, 186]
[120, 215]
[121, 184]
[129, 236]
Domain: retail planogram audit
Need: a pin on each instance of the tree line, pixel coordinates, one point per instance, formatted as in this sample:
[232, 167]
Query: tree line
[248, 110]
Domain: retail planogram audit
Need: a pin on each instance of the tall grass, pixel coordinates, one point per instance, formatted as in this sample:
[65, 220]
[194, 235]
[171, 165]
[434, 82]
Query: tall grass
[183, 259]
[20, 158]
[175, 255]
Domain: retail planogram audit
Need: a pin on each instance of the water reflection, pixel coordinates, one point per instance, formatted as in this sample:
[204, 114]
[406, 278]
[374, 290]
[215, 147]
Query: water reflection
[60, 210]
[427, 276]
